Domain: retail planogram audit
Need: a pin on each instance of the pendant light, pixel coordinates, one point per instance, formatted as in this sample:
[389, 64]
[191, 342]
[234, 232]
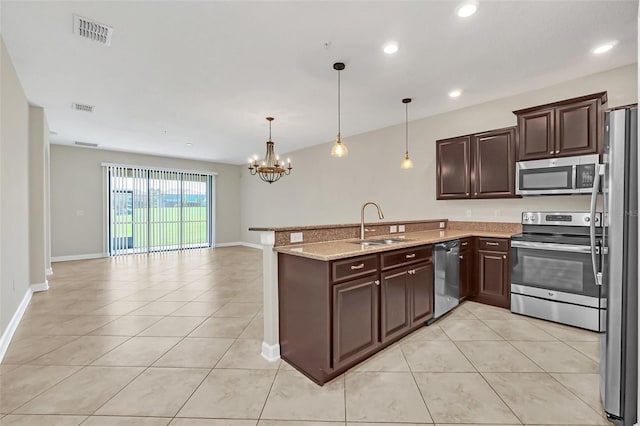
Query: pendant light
[406, 163]
[339, 149]
[270, 170]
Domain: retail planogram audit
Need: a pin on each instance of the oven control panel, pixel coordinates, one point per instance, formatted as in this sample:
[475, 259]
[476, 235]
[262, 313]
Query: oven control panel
[559, 218]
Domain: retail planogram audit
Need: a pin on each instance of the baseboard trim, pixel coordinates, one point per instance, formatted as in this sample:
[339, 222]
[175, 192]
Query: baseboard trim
[8, 333]
[240, 243]
[49, 271]
[40, 286]
[270, 352]
[79, 257]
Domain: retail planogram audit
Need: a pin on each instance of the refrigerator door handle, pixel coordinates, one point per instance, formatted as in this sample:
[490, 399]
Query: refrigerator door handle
[597, 275]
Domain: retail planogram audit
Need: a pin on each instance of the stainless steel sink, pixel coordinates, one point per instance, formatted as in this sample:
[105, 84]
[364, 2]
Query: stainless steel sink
[381, 242]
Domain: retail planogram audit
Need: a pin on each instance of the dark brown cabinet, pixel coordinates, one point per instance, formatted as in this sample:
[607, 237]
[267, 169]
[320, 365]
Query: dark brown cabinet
[477, 166]
[560, 129]
[467, 268]
[334, 314]
[537, 134]
[453, 167]
[421, 287]
[493, 285]
[355, 319]
[395, 303]
[493, 170]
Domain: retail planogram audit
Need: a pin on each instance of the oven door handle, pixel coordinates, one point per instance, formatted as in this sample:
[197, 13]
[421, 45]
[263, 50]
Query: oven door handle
[554, 247]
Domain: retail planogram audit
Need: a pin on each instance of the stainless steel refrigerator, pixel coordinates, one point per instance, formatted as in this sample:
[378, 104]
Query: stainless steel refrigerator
[618, 267]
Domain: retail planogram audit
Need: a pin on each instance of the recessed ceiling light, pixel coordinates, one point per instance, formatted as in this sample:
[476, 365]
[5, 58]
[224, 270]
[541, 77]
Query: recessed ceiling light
[603, 48]
[466, 9]
[390, 47]
[455, 93]
[189, 144]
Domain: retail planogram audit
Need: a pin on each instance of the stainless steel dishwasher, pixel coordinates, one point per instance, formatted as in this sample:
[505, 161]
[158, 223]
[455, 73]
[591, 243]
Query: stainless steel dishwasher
[447, 275]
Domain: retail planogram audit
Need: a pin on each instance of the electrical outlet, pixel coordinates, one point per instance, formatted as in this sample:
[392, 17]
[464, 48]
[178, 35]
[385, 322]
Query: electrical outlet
[296, 237]
[393, 229]
[442, 225]
[400, 228]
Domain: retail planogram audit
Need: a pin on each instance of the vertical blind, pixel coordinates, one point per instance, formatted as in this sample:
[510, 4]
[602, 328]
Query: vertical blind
[151, 210]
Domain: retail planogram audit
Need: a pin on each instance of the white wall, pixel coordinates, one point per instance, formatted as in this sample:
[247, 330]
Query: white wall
[324, 190]
[38, 146]
[14, 191]
[77, 186]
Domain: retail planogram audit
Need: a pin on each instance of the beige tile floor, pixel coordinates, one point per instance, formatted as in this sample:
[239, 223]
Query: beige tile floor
[174, 338]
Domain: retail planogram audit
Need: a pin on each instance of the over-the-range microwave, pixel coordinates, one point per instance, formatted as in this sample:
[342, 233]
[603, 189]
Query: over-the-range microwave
[554, 176]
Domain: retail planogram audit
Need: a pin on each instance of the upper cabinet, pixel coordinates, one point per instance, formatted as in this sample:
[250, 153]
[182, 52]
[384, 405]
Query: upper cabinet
[453, 159]
[477, 166]
[561, 129]
[493, 170]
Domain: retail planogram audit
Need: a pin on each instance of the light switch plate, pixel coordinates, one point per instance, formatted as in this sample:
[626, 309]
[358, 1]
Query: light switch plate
[296, 237]
[400, 228]
[392, 229]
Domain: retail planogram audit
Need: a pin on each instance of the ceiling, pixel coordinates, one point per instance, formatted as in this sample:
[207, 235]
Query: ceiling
[208, 73]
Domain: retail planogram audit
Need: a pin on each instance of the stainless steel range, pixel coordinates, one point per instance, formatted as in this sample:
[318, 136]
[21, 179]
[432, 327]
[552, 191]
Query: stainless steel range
[552, 275]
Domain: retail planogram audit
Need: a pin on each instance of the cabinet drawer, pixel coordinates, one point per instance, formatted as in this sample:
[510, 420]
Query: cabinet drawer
[493, 244]
[404, 257]
[354, 267]
[466, 244]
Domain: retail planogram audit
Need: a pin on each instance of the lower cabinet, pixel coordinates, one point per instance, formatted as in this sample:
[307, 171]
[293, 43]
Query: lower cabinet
[355, 319]
[335, 314]
[490, 282]
[406, 299]
[467, 269]
[395, 295]
[421, 285]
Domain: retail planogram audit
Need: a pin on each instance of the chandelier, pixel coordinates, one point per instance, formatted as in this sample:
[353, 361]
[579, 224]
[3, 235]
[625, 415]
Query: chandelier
[270, 170]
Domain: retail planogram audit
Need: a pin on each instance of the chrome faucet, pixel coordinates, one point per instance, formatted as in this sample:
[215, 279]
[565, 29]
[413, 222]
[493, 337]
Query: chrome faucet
[380, 215]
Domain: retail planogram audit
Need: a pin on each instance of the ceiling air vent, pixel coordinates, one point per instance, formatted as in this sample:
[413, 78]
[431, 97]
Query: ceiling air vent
[82, 107]
[87, 144]
[92, 30]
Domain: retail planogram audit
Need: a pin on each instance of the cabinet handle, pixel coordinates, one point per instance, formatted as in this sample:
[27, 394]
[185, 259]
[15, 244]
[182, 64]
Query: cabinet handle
[475, 193]
[504, 256]
[492, 244]
[467, 193]
[461, 257]
[557, 151]
[410, 256]
[550, 152]
[465, 243]
[377, 282]
[360, 266]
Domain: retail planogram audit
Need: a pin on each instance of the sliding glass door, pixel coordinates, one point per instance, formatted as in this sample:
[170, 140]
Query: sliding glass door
[158, 210]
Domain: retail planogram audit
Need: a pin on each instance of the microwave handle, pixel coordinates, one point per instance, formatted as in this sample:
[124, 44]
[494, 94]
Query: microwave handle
[574, 172]
[592, 224]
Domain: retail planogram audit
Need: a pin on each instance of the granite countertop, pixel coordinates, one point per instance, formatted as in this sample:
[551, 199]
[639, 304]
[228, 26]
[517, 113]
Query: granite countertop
[332, 250]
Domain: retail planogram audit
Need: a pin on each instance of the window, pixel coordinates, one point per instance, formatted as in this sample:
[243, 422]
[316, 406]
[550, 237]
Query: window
[158, 210]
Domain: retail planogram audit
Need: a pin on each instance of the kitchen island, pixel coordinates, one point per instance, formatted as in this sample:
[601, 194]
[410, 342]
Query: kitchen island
[331, 304]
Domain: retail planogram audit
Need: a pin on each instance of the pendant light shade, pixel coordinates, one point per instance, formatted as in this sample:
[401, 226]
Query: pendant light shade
[407, 163]
[339, 148]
